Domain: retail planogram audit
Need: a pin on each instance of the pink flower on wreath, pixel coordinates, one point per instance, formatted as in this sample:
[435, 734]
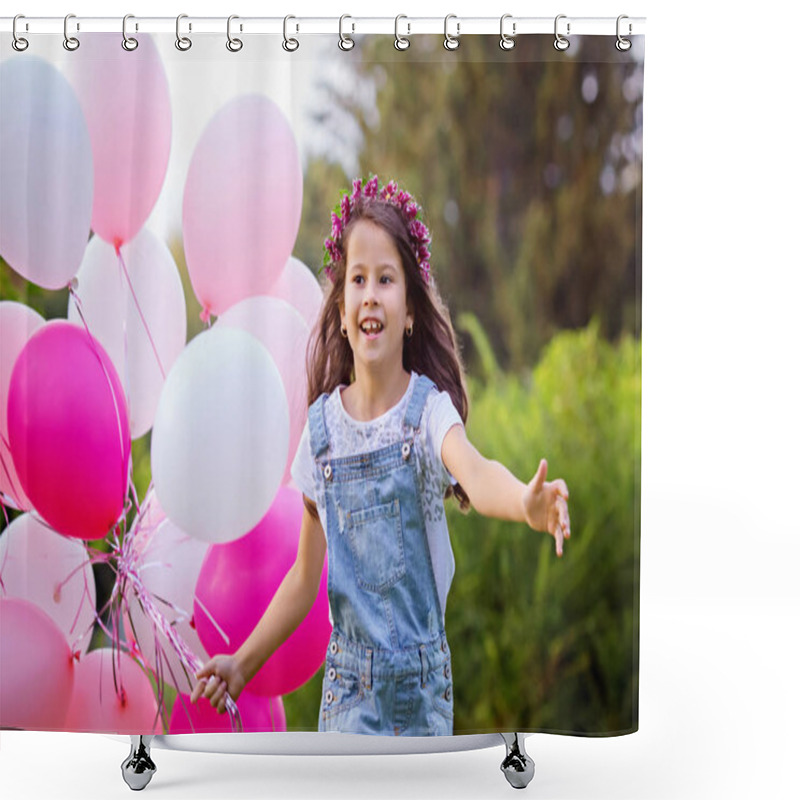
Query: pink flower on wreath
[390, 194]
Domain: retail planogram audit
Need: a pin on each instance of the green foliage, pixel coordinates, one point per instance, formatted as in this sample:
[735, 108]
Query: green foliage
[536, 638]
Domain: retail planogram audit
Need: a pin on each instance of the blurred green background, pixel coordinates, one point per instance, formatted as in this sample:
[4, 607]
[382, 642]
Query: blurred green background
[528, 167]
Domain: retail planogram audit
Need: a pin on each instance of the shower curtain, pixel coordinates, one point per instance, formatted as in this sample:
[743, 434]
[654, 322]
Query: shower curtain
[163, 213]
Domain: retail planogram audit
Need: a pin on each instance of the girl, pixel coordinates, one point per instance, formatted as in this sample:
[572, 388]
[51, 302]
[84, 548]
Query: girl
[383, 445]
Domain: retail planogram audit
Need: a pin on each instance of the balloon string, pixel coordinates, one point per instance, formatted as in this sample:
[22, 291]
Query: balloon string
[121, 438]
[210, 616]
[129, 575]
[16, 495]
[141, 314]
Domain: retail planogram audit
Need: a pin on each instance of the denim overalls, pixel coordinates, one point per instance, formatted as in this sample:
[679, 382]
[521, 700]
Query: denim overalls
[387, 669]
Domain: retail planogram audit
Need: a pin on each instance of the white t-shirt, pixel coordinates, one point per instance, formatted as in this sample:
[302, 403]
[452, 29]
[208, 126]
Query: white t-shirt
[348, 436]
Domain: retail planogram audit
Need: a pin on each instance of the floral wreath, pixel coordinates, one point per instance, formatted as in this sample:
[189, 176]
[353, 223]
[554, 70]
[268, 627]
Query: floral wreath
[420, 237]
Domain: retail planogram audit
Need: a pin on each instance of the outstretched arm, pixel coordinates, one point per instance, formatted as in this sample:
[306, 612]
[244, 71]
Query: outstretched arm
[288, 608]
[495, 492]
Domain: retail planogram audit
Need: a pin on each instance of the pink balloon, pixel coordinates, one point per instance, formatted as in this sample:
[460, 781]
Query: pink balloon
[17, 324]
[101, 706]
[259, 715]
[68, 430]
[52, 572]
[236, 584]
[241, 203]
[298, 286]
[125, 99]
[282, 330]
[36, 669]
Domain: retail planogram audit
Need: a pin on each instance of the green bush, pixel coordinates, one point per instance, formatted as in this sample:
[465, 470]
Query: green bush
[538, 642]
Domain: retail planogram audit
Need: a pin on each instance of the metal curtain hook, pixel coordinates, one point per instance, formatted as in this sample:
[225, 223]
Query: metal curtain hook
[561, 42]
[234, 45]
[400, 42]
[182, 42]
[19, 43]
[623, 44]
[70, 42]
[128, 42]
[507, 42]
[289, 45]
[345, 42]
[451, 42]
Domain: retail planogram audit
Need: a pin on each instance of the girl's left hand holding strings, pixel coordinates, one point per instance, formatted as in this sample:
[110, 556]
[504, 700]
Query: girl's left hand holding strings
[545, 506]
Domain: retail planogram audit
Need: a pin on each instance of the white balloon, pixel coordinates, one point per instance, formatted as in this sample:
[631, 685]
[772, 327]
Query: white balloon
[168, 562]
[114, 315]
[297, 286]
[53, 572]
[284, 332]
[46, 162]
[220, 436]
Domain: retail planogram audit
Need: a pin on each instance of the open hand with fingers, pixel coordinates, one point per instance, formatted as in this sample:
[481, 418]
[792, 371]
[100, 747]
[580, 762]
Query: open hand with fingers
[545, 505]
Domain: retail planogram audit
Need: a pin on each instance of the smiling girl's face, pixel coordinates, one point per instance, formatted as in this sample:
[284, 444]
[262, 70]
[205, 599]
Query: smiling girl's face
[375, 313]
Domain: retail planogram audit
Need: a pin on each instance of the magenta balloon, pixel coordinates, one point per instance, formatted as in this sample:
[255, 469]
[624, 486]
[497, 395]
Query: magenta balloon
[241, 203]
[100, 705]
[17, 325]
[125, 99]
[68, 430]
[36, 669]
[237, 582]
[259, 715]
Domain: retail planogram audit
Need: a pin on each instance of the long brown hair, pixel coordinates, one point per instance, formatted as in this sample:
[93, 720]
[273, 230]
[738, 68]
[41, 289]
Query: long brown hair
[431, 350]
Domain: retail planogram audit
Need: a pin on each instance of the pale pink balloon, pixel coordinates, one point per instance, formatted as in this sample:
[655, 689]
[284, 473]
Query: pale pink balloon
[17, 324]
[168, 562]
[68, 430]
[258, 714]
[141, 324]
[236, 584]
[54, 573]
[241, 203]
[101, 706]
[299, 287]
[125, 99]
[36, 669]
[282, 330]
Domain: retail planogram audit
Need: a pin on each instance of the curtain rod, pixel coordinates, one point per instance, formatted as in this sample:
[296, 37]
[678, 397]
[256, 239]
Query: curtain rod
[349, 25]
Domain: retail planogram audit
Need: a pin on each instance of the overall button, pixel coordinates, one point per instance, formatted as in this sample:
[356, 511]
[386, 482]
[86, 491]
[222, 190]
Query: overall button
[327, 472]
[406, 451]
[329, 697]
[444, 646]
[447, 670]
[334, 648]
[447, 694]
[331, 674]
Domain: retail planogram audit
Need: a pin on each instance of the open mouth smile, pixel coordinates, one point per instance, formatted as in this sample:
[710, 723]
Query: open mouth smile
[371, 327]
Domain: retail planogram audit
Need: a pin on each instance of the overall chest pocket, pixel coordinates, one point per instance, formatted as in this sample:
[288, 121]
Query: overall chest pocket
[375, 535]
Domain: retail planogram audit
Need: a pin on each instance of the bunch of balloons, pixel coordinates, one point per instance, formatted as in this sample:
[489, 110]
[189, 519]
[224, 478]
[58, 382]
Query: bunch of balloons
[82, 168]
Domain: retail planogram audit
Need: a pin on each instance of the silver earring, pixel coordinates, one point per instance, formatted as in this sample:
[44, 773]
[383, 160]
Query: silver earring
[343, 331]
[410, 330]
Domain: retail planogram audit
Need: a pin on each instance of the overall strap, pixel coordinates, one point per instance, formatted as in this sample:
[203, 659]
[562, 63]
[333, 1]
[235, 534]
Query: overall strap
[416, 404]
[317, 431]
